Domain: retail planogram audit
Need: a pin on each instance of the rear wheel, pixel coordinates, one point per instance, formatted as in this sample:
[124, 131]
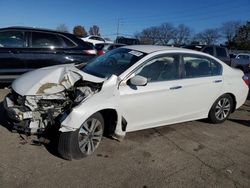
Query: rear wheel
[221, 109]
[84, 141]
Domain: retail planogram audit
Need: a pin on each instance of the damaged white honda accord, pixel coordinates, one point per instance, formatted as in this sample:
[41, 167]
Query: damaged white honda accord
[127, 89]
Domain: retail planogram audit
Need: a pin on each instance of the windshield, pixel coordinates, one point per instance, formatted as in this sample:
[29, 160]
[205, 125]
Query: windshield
[113, 62]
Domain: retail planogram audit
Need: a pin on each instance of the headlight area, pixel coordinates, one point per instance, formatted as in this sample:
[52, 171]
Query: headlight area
[32, 114]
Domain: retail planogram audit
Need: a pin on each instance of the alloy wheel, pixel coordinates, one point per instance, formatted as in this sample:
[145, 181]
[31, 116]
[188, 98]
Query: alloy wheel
[222, 109]
[90, 135]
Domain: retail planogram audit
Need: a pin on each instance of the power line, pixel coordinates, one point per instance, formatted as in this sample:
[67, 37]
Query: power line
[194, 15]
[198, 8]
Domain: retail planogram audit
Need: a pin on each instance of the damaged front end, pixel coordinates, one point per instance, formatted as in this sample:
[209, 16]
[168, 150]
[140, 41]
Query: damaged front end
[51, 101]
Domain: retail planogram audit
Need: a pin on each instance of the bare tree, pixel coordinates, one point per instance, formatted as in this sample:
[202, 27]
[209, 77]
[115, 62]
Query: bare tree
[182, 35]
[80, 31]
[149, 35]
[208, 36]
[62, 28]
[166, 33]
[156, 35]
[229, 30]
[94, 30]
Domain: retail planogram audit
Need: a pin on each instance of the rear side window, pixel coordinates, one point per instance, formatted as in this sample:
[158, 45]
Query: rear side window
[199, 66]
[208, 50]
[12, 39]
[221, 52]
[68, 43]
[97, 38]
[45, 40]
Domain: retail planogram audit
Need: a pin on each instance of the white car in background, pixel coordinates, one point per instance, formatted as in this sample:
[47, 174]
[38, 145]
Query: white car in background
[243, 56]
[127, 89]
[95, 40]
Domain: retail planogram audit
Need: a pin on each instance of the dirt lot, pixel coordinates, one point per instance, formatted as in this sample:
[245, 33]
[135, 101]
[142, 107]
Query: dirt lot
[193, 154]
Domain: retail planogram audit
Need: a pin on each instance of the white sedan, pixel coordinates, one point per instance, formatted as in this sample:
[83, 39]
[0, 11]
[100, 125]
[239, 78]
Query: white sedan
[95, 40]
[128, 89]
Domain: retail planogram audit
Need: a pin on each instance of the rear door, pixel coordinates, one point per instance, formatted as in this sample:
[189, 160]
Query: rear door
[45, 49]
[202, 82]
[12, 45]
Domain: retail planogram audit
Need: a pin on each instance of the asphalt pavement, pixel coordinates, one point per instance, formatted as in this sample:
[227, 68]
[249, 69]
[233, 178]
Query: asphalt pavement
[192, 154]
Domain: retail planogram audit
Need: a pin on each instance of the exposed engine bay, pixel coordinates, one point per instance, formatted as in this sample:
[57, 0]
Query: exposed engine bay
[33, 113]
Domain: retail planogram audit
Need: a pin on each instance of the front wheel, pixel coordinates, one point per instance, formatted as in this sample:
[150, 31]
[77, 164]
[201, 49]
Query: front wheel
[84, 141]
[221, 109]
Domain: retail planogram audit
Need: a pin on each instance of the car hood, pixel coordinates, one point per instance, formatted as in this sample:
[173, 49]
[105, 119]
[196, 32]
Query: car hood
[50, 80]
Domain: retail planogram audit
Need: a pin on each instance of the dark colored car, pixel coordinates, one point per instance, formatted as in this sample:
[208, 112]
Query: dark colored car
[242, 62]
[127, 41]
[102, 48]
[23, 49]
[216, 51]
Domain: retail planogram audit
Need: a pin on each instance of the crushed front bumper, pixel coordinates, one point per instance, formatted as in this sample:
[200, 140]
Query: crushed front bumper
[21, 118]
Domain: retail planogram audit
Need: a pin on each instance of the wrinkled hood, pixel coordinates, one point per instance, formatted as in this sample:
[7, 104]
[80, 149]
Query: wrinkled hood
[51, 80]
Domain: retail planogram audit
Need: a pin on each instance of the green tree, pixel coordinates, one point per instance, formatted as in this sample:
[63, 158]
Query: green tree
[228, 30]
[242, 37]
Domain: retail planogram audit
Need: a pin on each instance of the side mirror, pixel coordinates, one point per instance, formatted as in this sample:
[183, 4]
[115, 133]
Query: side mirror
[138, 80]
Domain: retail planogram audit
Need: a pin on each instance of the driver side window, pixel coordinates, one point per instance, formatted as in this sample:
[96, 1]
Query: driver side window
[163, 68]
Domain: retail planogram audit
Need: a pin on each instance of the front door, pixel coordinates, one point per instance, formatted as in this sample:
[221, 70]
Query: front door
[159, 101]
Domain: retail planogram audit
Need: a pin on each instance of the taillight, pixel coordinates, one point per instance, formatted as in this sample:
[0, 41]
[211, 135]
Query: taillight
[246, 79]
[90, 52]
[100, 52]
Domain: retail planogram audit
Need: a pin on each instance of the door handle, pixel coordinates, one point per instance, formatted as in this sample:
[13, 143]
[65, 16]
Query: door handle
[217, 81]
[14, 51]
[175, 87]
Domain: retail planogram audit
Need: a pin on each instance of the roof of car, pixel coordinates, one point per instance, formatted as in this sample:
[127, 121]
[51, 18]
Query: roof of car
[33, 28]
[243, 54]
[153, 48]
[201, 46]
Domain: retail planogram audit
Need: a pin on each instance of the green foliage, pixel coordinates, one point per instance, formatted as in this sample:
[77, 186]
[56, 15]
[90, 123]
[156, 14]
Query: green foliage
[80, 31]
[242, 37]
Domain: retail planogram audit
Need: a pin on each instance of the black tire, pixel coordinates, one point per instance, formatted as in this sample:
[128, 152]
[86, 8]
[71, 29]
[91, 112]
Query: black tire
[69, 142]
[219, 114]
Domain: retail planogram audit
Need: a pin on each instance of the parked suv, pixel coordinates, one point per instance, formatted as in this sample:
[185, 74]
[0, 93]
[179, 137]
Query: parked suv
[216, 51]
[242, 61]
[23, 49]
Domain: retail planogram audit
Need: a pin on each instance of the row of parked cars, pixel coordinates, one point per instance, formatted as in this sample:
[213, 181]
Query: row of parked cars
[240, 61]
[23, 49]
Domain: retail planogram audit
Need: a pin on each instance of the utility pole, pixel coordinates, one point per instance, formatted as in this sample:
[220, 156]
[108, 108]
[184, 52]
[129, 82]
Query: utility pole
[118, 27]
